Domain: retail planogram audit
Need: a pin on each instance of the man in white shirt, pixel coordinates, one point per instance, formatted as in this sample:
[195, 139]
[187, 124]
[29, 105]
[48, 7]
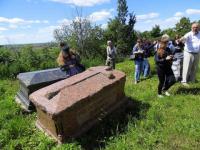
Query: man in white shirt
[191, 54]
[111, 54]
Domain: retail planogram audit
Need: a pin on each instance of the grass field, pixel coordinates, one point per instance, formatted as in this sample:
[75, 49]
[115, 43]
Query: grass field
[148, 123]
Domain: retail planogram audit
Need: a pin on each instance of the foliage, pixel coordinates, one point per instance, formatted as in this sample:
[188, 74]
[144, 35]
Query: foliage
[170, 31]
[121, 29]
[147, 122]
[85, 38]
[111, 33]
[122, 10]
[156, 31]
[26, 59]
[183, 26]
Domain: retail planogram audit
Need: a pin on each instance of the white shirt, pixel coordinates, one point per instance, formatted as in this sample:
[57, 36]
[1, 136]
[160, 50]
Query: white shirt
[192, 42]
[111, 52]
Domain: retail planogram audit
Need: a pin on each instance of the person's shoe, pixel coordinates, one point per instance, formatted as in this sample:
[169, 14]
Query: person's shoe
[167, 93]
[136, 81]
[160, 96]
[185, 84]
[145, 77]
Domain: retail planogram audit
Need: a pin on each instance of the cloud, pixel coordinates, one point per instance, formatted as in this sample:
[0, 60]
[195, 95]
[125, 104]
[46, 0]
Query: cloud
[21, 21]
[193, 11]
[82, 3]
[172, 19]
[163, 23]
[48, 30]
[178, 14]
[12, 39]
[104, 26]
[13, 26]
[45, 21]
[100, 15]
[147, 16]
[65, 21]
[94, 17]
[3, 29]
[41, 35]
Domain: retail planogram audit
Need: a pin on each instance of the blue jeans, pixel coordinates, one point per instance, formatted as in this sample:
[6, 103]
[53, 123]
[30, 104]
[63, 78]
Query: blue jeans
[138, 69]
[146, 67]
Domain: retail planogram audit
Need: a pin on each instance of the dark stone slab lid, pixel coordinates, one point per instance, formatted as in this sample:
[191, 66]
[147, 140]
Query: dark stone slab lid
[42, 76]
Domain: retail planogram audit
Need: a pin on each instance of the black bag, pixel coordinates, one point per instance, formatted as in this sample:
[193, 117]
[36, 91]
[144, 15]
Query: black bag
[82, 67]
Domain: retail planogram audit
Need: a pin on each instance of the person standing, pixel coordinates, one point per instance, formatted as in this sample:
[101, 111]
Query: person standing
[163, 59]
[165, 38]
[138, 51]
[111, 54]
[177, 65]
[147, 53]
[191, 54]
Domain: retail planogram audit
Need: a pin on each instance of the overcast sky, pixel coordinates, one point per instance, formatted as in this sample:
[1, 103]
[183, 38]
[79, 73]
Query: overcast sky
[33, 21]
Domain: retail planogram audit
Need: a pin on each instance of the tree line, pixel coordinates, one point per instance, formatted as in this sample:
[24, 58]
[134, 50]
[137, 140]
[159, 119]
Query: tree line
[88, 40]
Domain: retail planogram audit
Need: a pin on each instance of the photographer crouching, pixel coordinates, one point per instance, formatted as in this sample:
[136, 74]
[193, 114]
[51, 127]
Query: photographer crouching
[69, 61]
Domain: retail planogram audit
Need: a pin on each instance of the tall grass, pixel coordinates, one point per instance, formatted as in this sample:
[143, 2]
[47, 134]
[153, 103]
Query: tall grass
[147, 123]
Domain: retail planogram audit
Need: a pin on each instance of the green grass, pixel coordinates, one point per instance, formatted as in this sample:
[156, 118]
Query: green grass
[148, 123]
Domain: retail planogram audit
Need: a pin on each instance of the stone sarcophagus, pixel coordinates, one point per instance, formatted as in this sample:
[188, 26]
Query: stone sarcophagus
[32, 81]
[70, 107]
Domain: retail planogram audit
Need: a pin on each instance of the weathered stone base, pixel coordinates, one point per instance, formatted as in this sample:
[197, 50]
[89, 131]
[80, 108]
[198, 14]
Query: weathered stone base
[83, 128]
[24, 103]
[31, 81]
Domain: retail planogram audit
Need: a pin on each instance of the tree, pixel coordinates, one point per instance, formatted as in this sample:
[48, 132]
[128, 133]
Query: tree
[183, 26]
[82, 36]
[122, 10]
[145, 34]
[111, 33]
[170, 31]
[121, 29]
[156, 31]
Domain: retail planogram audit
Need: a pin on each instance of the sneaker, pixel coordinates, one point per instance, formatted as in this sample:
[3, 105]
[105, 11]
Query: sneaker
[160, 96]
[185, 84]
[167, 93]
[136, 82]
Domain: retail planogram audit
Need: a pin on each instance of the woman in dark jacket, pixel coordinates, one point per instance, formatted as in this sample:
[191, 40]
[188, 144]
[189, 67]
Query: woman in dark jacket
[163, 59]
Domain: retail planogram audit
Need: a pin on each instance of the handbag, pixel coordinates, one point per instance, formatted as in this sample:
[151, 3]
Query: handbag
[132, 57]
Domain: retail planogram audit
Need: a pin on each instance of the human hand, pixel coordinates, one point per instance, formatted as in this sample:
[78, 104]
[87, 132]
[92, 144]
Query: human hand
[169, 57]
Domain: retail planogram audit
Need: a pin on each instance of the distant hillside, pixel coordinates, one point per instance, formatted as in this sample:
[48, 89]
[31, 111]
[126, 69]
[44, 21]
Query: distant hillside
[35, 45]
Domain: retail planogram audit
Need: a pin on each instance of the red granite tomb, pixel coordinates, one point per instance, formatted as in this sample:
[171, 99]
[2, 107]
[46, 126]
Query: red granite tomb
[70, 107]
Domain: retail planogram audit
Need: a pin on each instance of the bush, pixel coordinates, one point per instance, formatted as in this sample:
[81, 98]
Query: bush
[27, 58]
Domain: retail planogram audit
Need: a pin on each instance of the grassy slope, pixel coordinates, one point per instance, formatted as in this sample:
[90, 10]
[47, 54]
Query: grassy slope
[150, 123]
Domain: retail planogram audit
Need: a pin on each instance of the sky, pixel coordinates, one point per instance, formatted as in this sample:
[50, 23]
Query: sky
[33, 21]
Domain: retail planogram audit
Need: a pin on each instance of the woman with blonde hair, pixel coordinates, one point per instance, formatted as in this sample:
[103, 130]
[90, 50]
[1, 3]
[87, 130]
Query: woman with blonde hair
[163, 59]
[69, 61]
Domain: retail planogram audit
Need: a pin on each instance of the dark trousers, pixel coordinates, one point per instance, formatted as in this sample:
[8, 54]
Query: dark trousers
[166, 78]
[111, 63]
